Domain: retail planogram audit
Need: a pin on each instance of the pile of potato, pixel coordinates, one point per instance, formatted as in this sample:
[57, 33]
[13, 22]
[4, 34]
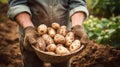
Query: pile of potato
[57, 39]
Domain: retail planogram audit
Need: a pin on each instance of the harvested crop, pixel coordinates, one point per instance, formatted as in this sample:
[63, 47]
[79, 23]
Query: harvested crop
[42, 29]
[55, 26]
[51, 47]
[59, 39]
[62, 30]
[69, 38]
[61, 50]
[48, 39]
[75, 45]
[41, 43]
[51, 32]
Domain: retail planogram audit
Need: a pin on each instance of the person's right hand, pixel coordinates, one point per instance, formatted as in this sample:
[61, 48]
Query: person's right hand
[30, 38]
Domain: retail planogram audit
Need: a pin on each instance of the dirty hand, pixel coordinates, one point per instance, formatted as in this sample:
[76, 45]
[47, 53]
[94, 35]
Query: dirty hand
[30, 36]
[79, 32]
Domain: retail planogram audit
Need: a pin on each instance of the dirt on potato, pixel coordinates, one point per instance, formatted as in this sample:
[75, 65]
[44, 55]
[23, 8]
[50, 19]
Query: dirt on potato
[94, 55]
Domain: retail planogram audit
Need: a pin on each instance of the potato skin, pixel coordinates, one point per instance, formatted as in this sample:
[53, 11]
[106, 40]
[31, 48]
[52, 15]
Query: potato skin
[41, 44]
[75, 45]
[51, 47]
[61, 50]
[59, 39]
[55, 26]
[69, 38]
[62, 30]
[42, 29]
[48, 39]
[51, 32]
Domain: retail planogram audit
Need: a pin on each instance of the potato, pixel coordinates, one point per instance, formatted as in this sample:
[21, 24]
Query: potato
[55, 26]
[51, 47]
[61, 50]
[41, 44]
[42, 29]
[75, 45]
[69, 38]
[59, 39]
[51, 32]
[62, 30]
[48, 39]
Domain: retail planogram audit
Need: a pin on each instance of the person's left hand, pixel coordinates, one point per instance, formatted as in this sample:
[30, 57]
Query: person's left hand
[80, 32]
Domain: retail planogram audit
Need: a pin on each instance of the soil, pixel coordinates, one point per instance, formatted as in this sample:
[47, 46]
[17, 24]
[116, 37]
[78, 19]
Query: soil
[94, 55]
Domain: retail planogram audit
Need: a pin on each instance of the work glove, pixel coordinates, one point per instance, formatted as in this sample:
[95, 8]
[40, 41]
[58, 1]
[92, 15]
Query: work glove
[80, 33]
[30, 38]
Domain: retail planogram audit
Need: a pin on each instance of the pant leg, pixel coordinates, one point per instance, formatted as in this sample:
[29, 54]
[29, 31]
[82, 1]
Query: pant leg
[62, 64]
[30, 59]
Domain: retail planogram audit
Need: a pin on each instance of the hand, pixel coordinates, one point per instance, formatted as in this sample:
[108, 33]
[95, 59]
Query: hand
[30, 36]
[79, 32]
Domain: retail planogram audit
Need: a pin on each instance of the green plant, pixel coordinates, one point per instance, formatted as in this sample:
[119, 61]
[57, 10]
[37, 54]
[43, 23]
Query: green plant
[104, 8]
[104, 31]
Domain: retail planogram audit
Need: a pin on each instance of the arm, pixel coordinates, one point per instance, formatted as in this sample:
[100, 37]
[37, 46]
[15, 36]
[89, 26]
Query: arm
[78, 12]
[20, 12]
[24, 20]
[78, 19]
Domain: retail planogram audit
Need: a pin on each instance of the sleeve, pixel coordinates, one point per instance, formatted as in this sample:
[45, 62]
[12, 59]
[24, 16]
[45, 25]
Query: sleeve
[16, 7]
[76, 6]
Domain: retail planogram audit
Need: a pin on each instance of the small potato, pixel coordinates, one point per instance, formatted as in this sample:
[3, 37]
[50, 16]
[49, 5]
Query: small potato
[51, 32]
[51, 47]
[62, 30]
[75, 45]
[42, 29]
[61, 50]
[55, 26]
[41, 44]
[69, 38]
[59, 39]
[48, 39]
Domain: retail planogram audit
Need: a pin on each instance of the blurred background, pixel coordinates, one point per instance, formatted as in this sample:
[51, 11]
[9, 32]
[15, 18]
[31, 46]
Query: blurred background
[103, 24]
